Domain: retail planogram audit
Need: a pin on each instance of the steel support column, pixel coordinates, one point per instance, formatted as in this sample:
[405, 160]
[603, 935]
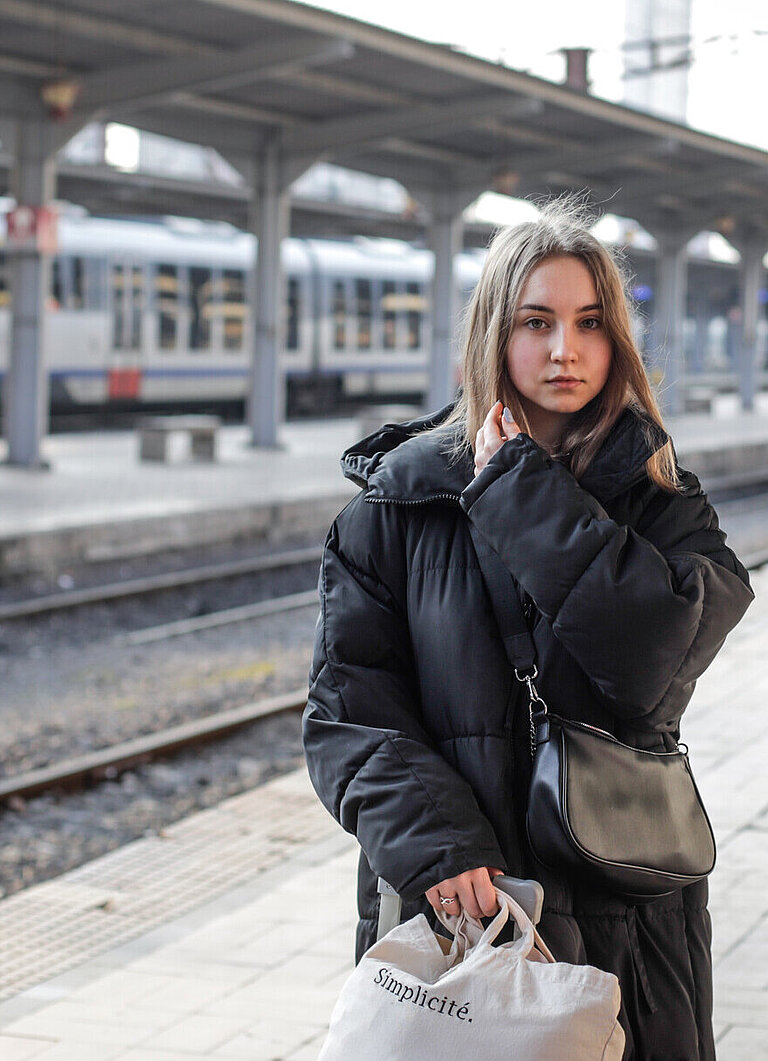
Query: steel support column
[446, 207]
[445, 238]
[266, 394]
[25, 393]
[751, 276]
[671, 288]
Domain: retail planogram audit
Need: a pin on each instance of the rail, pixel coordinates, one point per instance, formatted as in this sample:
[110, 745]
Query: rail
[107, 763]
[156, 583]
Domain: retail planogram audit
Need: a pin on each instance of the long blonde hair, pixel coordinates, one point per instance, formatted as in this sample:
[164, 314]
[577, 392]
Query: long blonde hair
[560, 230]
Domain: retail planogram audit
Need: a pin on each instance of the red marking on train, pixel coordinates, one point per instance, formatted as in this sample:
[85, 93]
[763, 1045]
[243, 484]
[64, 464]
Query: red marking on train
[124, 383]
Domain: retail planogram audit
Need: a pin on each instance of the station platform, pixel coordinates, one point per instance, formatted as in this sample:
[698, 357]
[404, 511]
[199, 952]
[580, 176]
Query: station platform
[99, 502]
[230, 934]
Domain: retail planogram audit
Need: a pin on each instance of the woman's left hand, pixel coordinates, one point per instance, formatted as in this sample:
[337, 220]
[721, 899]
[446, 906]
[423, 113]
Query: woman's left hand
[472, 891]
[496, 430]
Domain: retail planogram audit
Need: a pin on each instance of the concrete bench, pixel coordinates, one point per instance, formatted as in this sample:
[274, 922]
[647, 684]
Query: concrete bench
[155, 432]
[699, 399]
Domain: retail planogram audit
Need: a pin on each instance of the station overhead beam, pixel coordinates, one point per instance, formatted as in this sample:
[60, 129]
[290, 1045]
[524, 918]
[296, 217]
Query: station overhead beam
[275, 85]
[161, 81]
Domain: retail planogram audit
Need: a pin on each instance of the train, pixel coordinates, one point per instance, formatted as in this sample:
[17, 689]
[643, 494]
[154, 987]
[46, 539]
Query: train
[154, 314]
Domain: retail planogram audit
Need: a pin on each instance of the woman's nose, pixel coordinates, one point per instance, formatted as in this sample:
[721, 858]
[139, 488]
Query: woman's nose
[564, 346]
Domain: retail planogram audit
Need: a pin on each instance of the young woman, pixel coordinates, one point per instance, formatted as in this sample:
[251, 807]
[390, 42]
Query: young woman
[416, 732]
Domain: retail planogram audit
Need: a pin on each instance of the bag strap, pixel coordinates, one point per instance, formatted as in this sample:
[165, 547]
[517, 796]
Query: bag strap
[510, 619]
[507, 608]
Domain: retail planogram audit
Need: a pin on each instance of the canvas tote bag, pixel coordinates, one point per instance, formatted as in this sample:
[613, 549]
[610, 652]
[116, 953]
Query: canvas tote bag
[414, 995]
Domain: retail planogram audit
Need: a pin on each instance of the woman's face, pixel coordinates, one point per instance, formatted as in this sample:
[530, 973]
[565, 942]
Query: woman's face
[559, 353]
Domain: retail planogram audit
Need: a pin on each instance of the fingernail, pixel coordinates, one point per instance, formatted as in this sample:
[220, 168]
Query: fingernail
[508, 416]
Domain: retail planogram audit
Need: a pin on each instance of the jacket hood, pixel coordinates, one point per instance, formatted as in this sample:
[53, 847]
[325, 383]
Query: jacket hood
[413, 461]
[417, 461]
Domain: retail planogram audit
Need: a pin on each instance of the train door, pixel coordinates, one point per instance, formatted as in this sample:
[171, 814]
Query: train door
[126, 350]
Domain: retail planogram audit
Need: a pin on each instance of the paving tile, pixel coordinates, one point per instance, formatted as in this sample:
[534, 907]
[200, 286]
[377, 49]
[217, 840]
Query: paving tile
[719, 1028]
[139, 1054]
[20, 1049]
[196, 1034]
[71, 1031]
[743, 1044]
[273, 1003]
[122, 986]
[80, 1051]
[103, 1012]
[182, 995]
[260, 1044]
[746, 966]
[168, 966]
[306, 970]
[309, 1051]
[250, 1048]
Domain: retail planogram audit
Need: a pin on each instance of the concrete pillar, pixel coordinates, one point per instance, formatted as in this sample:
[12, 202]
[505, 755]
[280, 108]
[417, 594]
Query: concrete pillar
[25, 394]
[445, 240]
[671, 290]
[266, 395]
[752, 251]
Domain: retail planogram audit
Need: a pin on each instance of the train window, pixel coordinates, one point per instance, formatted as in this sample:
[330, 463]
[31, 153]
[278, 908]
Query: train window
[339, 311]
[389, 314]
[95, 283]
[415, 307]
[292, 324]
[364, 302]
[76, 295]
[57, 284]
[137, 306]
[167, 304]
[118, 306]
[233, 308]
[201, 307]
[5, 293]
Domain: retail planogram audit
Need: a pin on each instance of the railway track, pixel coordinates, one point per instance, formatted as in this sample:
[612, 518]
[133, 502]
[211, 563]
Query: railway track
[224, 617]
[139, 587]
[108, 763]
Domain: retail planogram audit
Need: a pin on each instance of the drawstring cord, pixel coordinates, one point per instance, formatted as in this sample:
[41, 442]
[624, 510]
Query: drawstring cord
[637, 960]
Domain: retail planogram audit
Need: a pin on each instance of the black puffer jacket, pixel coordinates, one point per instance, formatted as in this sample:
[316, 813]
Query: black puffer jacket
[416, 732]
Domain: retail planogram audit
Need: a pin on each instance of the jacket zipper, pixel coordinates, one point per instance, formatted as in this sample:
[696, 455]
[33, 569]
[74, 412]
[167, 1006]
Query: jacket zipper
[615, 740]
[410, 501]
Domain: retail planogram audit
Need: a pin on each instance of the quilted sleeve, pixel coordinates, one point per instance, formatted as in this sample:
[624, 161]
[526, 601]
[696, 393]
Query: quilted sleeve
[369, 757]
[642, 611]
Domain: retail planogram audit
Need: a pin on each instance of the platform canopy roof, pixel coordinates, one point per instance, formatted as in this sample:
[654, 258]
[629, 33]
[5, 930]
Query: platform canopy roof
[238, 74]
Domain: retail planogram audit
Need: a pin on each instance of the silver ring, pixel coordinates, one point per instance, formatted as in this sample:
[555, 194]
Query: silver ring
[445, 901]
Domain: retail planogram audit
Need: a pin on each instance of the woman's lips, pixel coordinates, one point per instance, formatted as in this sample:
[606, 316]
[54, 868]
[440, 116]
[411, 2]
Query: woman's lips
[565, 383]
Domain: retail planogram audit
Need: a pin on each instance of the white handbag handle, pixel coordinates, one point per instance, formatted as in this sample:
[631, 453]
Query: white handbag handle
[469, 933]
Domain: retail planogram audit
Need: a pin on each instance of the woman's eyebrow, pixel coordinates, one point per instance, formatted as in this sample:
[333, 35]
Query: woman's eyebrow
[548, 309]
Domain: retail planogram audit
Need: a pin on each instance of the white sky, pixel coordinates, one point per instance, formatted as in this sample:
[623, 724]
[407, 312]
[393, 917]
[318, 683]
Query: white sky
[726, 86]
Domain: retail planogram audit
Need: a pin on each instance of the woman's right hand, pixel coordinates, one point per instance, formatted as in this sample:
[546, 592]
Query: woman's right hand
[498, 427]
[471, 891]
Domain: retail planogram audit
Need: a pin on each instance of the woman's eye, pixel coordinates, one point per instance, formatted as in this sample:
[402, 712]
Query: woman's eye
[536, 323]
[591, 323]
